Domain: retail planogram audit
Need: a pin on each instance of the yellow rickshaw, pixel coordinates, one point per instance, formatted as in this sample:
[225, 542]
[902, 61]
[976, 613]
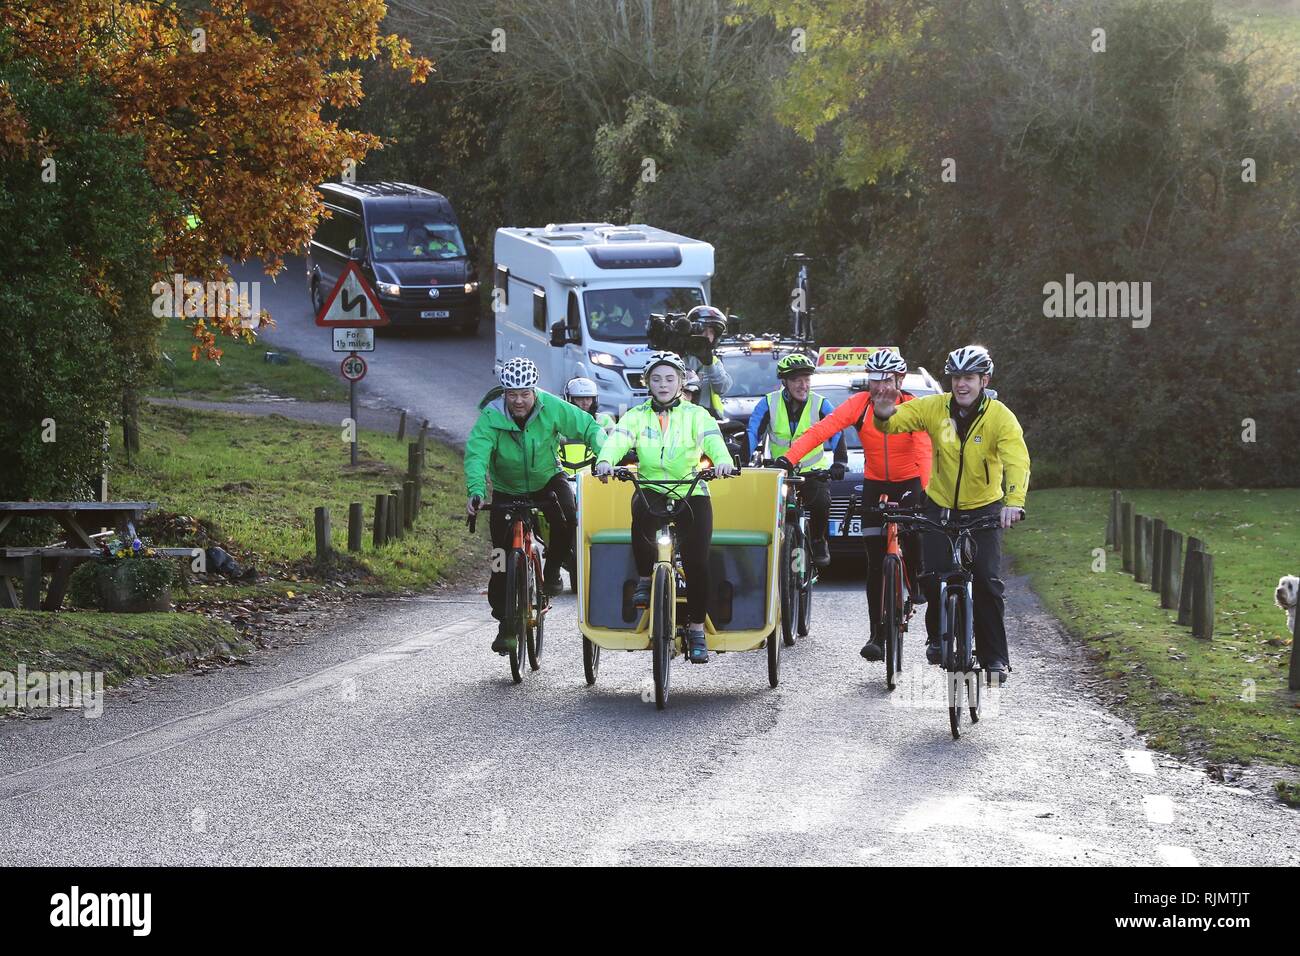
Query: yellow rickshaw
[744, 608]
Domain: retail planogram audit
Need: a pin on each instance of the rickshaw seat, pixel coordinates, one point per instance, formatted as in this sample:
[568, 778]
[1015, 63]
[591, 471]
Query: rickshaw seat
[624, 536]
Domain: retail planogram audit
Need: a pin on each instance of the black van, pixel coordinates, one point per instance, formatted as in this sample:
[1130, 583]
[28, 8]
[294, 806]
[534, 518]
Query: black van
[408, 243]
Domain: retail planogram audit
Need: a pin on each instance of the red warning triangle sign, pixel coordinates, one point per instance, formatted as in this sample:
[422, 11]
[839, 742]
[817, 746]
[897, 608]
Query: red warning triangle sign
[352, 303]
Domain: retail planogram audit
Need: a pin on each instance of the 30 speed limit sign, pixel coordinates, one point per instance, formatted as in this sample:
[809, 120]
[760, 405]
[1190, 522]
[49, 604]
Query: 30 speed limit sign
[353, 368]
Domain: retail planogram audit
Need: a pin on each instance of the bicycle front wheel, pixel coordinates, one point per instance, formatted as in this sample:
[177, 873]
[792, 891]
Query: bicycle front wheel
[662, 629]
[517, 611]
[952, 647]
[536, 629]
[891, 618]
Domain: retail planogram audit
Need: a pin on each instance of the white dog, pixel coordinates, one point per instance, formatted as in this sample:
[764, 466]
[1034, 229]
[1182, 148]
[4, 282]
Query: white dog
[1285, 597]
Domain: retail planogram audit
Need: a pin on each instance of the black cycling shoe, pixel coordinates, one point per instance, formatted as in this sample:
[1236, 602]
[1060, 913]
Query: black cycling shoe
[933, 652]
[641, 596]
[997, 671]
[505, 643]
[873, 650]
[821, 552]
[551, 578]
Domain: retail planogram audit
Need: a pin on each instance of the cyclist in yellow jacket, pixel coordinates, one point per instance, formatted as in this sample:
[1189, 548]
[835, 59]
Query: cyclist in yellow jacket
[978, 448]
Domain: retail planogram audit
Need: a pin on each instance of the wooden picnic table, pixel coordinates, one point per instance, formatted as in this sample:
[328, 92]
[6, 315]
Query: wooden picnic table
[81, 520]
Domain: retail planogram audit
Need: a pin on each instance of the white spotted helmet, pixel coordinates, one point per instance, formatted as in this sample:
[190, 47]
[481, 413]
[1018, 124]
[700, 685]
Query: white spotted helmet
[665, 358]
[581, 388]
[968, 359]
[884, 361]
[519, 373]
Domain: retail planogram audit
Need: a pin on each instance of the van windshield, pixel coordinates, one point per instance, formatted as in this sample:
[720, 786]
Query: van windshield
[620, 315]
[415, 239]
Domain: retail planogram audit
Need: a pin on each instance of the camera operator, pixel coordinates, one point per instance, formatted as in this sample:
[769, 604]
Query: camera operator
[714, 380]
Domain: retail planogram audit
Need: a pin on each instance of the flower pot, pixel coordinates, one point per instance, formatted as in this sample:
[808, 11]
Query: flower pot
[122, 591]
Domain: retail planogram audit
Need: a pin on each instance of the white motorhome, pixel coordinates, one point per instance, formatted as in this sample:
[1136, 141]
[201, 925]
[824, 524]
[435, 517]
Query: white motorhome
[575, 298]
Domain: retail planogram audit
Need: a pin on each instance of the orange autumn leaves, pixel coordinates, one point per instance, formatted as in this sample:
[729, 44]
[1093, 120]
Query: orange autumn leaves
[227, 100]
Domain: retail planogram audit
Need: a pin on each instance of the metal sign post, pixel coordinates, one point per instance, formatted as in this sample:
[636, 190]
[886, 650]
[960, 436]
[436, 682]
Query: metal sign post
[351, 312]
[354, 370]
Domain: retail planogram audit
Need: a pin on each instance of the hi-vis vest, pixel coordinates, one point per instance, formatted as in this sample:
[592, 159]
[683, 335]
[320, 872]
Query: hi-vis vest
[781, 438]
[573, 453]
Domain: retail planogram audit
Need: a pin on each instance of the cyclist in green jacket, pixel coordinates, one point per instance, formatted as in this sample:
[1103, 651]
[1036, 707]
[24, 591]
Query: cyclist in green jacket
[513, 442]
[669, 437]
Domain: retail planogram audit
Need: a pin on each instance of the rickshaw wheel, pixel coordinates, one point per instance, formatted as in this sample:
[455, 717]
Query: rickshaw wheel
[590, 660]
[661, 639]
[774, 658]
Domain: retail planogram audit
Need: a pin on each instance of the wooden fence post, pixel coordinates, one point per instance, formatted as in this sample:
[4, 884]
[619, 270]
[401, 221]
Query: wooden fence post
[380, 535]
[1170, 566]
[1187, 587]
[424, 437]
[1126, 536]
[1157, 553]
[397, 521]
[1203, 599]
[1112, 522]
[1141, 549]
[401, 425]
[408, 500]
[356, 526]
[323, 548]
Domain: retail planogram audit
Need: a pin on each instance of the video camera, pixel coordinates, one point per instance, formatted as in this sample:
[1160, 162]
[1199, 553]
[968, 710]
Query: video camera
[673, 332]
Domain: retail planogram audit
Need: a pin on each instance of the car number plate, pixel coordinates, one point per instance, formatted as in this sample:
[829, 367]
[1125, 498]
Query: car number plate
[855, 527]
[435, 314]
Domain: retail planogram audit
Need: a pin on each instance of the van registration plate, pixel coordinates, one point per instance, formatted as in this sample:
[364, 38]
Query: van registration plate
[435, 314]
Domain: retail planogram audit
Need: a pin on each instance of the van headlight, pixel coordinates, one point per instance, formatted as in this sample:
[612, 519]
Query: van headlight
[388, 288]
[605, 359]
[471, 287]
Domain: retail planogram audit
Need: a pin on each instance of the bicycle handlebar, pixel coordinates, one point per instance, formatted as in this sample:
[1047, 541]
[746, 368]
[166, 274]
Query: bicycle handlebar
[511, 503]
[817, 474]
[627, 474]
[960, 526]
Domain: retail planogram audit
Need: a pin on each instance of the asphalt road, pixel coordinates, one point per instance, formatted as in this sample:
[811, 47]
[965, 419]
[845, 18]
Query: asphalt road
[395, 736]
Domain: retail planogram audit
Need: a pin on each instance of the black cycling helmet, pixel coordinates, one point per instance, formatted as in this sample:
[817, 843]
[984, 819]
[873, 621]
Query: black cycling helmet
[709, 317]
[967, 359]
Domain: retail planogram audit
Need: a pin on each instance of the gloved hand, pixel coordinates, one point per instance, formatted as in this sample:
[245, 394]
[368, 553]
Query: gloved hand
[838, 470]
[472, 506]
[725, 468]
[784, 463]
[602, 470]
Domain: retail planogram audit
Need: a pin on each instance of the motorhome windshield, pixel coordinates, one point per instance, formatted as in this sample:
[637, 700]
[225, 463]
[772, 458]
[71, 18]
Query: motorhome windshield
[416, 239]
[620, 315]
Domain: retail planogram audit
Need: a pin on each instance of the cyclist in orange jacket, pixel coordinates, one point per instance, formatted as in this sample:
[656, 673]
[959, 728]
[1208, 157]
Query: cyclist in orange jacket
[894, 465]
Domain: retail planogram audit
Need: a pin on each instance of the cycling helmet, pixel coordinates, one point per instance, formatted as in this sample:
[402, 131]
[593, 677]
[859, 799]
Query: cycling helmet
[692, 383]
[796, 363]
[887, 361]
[967, 359]
[708, 316]
[665, 358]
[581, 388]
[519, 373]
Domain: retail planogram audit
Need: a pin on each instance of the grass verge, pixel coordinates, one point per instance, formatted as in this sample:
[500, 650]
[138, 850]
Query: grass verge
[256, 482]
[1224, 699]
[243, 373]
[120, 645]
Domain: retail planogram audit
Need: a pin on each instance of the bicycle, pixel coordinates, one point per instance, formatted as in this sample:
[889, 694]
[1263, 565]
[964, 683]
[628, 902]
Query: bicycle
[526, 600]
[801, 309]
[798, 572]
[956, 596]
[896, 605]
[668, 579]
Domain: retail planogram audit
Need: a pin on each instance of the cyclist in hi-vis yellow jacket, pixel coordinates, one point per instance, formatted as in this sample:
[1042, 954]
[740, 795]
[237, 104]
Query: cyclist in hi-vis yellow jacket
[669, 437]
[978, 448]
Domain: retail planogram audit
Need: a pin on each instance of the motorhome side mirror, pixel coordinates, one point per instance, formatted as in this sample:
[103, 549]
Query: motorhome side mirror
[559, 335]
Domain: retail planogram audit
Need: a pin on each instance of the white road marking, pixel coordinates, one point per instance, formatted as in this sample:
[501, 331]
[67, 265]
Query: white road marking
[1177, 856]
[1139, 761]
[179, 731]
[1159, 809]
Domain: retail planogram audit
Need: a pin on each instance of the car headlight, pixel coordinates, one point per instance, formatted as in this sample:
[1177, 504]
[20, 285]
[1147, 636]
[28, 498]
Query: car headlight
[471, 287]
[605, 359]
[388, 288]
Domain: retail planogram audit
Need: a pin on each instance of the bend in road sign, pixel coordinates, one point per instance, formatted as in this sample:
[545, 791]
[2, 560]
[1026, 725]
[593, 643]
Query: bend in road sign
[353, 368]
[352, 303]
[348, 339]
